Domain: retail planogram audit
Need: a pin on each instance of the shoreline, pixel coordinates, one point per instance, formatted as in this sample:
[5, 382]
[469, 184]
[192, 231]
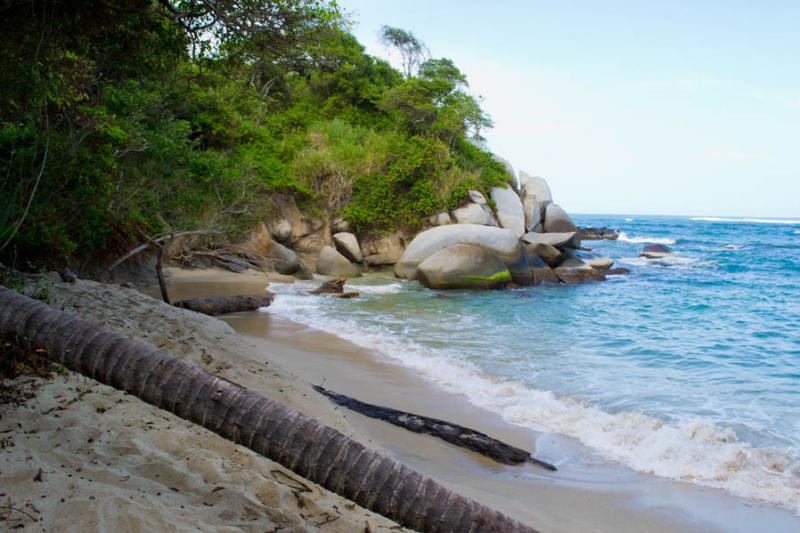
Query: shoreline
[602, 494]
[587, 493]
[123, 445]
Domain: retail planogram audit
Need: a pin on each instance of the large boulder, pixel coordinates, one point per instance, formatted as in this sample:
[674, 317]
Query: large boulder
[332, 263]
[282, 231]
[347, 244]
[536, 186]
[500, 242]
[533, 213]
[463, 266]
[556, 220]
[284, 259]
[568, 239]
[382, 250]
[509, 209]
[440, 219]
[473, 213]
[656, 251]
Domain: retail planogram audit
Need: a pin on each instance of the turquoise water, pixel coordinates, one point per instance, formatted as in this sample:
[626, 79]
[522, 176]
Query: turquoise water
[688, 368]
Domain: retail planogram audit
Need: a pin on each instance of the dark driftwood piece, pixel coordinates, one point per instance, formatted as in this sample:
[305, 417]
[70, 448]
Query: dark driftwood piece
[447, 431]
[335, 288]
[219, 305]
[312, 450]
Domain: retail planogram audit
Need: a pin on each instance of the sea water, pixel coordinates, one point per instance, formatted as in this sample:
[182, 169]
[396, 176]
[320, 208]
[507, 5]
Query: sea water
[687, 368]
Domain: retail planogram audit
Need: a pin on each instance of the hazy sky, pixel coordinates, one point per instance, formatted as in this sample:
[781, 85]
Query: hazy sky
[671, 107]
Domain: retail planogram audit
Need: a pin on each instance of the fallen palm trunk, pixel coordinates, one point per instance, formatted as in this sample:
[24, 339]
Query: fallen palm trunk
[447, 431]
[300, 443]
[219, 305]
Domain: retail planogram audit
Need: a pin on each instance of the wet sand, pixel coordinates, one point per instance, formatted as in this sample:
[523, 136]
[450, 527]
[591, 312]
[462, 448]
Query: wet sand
[586, 494]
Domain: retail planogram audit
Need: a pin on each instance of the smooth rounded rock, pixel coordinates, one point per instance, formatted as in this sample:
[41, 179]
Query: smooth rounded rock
[556, 220]
[472, 213]
[282, 230]
[536, 186]
[286, 261]
[509, 209]
[568, 239]
[347, 244]
[501, 242]
[463, 266]
[332, 263]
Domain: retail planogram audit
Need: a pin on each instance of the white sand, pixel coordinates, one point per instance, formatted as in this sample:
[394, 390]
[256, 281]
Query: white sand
[110, 462]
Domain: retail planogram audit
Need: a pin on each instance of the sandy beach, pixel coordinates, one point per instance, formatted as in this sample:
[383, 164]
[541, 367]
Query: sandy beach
[109, 461]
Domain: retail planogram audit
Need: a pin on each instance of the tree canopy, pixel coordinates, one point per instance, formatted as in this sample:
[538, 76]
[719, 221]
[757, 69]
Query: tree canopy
[131, 118]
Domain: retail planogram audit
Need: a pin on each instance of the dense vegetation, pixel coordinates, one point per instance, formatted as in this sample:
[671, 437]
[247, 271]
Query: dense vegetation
[125, 119]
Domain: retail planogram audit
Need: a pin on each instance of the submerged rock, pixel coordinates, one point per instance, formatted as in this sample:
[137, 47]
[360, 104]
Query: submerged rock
[463, 266]
[332, 263]
[556, 220]
[540, 270]
[509, 209]
[500, 242]
[347, 244]
[656, 251]
[595, 234]
[575, 270]
[594, 260]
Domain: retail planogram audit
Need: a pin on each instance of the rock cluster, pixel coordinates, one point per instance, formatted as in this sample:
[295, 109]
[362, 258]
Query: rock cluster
[528, 240]
[520, 237]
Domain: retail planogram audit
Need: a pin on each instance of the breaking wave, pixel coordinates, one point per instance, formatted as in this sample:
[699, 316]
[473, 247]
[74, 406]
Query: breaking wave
[695, 450]
[624, 237]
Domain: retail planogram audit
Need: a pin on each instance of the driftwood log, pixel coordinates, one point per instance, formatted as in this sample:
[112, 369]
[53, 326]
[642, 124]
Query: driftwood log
[315, 451]
[447, 431]
[335, 288]
[219, 305]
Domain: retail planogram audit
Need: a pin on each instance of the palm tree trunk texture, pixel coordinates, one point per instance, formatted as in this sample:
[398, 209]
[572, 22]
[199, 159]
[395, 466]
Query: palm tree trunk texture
[315, 451]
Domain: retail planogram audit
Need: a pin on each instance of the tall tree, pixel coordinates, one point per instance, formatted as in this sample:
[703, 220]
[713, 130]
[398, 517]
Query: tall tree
[413, 51]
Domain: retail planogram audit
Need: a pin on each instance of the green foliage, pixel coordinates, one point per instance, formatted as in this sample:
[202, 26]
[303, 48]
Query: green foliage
[121, 120]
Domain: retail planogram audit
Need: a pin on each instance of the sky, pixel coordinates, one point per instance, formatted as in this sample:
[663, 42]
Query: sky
[648, 107]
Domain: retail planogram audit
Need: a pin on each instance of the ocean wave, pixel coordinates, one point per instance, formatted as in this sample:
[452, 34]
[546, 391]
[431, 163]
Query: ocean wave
[748, 220]
[624, 237]
[629, 219]
[695, 451]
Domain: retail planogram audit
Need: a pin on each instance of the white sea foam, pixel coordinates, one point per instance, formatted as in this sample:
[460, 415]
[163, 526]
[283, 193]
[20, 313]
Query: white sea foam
[672, 261]
[629, 219]
[695, 451]
[749, 220]
[624, 237]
